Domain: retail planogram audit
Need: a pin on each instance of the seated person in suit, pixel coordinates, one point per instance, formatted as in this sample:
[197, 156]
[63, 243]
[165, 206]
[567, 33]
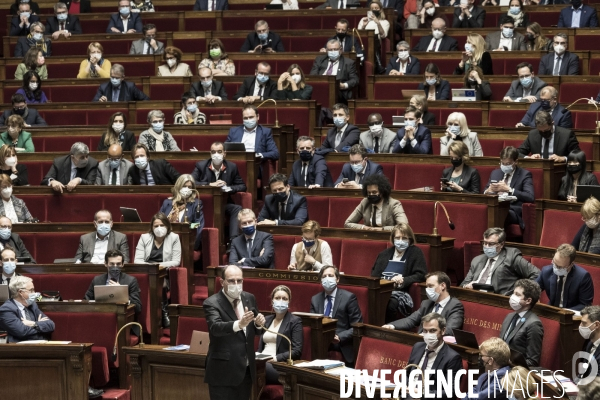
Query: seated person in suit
[262, 40]
[20, 316]
[578, 15]
[292, 85]
[344, 69]
[9, 265]
[505, 39]
[189, 114]
[377, 139]
[474, 79]
[460, 177]
[468, 15]
[575, 175]
[20, 23]
[94, 66]
[117, 133]
[494, 355]
[254, 248]
[358, 169]
[114, 261]
[209, 5]
[522, 330]
[404, 64]
[587, 239]
[10, 239]
[218, 60]
[208, 90]
[218, 172]
[36, 39]
[567, 285]
[311, 169]
[378, 211]
[434, 87]
[62, 24]
[560, 61]
[77, 168]
[160, 245]
[117, 89]
[438, 301]
[155, 137]
[499, 266]
[344, 135]
[256, 138]
[14, 7]
[347, 40]
[434, 354]
[125, 21]
[419, 101]
[512, 180]
[150, 172]
[458, 130]
[148, 44]
[438, 40]
[548, 102]
[94, 245]
[283, 206]
[19, 107]
[115, 169]
[403, 264]
[258, 87]
[339, 304]
[527, 88]
[312, 253]
[548, 140]
[285, 323]
[414, 138]
[589, 329]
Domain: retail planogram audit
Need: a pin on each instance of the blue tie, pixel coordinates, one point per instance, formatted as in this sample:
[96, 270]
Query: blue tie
[328, 306]
[437, 308]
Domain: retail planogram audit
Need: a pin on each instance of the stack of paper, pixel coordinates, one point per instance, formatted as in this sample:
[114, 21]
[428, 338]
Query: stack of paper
[181, 347]
[320, 364]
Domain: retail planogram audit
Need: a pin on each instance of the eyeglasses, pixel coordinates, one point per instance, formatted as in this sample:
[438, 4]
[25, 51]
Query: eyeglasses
[235, 281]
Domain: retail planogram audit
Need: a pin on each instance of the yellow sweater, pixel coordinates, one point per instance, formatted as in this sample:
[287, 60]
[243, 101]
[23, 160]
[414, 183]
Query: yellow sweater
[103, 72]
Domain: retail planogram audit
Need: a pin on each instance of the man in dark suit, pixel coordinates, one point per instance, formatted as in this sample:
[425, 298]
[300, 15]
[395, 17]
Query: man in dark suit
[578, 16]
[125, 21]
[20, 316]
[253, 248]
[334, 63]
[258, 87]
[567, 285]
[232, 326]
[208, 89]
[103, 240]
[522, 330]
[150, 172]
[255, 137]
[346, 39]
[505, 39]
[538, 140]
[9, 265]
[434, 354]
[439, 301]
[589, 329]
[10, 239]
[468, 15]
[311, 169]
[438, 40]
[218, 172]
[117, 89]
[283, 206]
[77, 168]
[262, 40]
[527, 88]
[114, 261]
[29, 115]
[559, 116]
[62, 23]
[339, 304]
[559, 62]
[499, 266]
[338, 4]
[403, 63]
[358, 169]
[414, 138]
[511, 180]
[343, 135]
[211, 5]
[494, 357]
[20, 24]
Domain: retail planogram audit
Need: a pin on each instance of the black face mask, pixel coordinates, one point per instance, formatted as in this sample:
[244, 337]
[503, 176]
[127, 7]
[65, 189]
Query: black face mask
[306, 155]
[376, 13]
[19, 111]
[280, 197]
[546, 105]
[374, 199]
[576, 3]
[341, 35]
[573, 169]
[546, 134]
[456, 163]
[530, 36]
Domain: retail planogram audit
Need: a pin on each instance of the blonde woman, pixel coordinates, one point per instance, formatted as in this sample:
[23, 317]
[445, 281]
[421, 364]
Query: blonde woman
[519, 384]
[535, 38]
[312, 253]
[218, 60]
[475, 54]
[173, 65]
[458, 130]
[95, 66]
[292, 85]
[460, 177]
[587, 239]
[375, 20]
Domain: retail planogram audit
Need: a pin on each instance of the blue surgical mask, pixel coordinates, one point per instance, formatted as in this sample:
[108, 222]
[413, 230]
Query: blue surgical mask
[32, 298]
[114, 164]
[507, 169]
[206, 84]
[431, 82]
[249, 230]
[115, 81]
[454, 129]
[432, 294]
[38, 36]
[401, 245]
[490, 252]
[250, 123]
[9, 267]
[192, 108]
[357, 167]
[410, 122]
[124, 11]
[262, 78]
[526, 82]
[515, 10]
[339, 121]
[308, 243]
[103, 229]
[141, 162]
[329, 283]
[62, 17]
[158, 126]
[280, 306]
[559, 271]
[26, 14]
[263, 36]
[333, 55]
[5, 233]
[507, 32]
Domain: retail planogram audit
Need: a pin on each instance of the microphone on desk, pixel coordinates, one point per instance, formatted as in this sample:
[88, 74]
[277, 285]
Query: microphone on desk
[141, 344]
[594, 104]
[274, 102]
[289, 360]
[353, 50]
[450, 223]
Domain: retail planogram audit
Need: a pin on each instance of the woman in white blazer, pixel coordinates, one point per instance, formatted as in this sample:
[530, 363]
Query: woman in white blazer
[459, 130]
[160, 245]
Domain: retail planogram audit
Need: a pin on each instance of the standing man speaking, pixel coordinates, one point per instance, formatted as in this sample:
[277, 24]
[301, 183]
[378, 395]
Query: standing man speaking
[230, 363]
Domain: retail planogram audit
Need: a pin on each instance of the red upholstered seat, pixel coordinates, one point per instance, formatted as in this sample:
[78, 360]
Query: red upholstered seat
[306, 344]
[412, 176]
[483, 320]
[340, 209]
[419, 214]
[549, 359]
[284, 246]
[499, 89]
[335, 167]
[272, 392]
[186, 326]
[505, 117]
[471, 250]
[584, 119]
[484, 174]
[380, 354]
[559, 227]
[358, 256]
[425, 249]
[318, 209]
[336, 249]
[491, 147]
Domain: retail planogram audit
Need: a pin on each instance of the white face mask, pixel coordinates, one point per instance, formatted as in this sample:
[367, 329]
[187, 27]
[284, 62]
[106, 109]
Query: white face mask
[117, 127]
[234, 291]
[437, 34]
[33, 85]
[7, 192]
[171, 62]
[430, 11]
[403, 54]
[432, 294]
[160, 231]
[297, 78]
[10, 161]
[217, 158]
[431, 339]
[185, 192]
[585, 331]
[376, 128]
[559, 49]
[515, 302]
[97, 56]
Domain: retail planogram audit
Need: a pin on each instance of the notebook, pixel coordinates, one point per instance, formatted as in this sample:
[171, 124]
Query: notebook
[464, 338]
[407, 94]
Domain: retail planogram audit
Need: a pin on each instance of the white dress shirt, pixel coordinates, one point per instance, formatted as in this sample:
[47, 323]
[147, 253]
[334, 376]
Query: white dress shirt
[249, 140]
[100, 249]
[334, 70]
[492, 266]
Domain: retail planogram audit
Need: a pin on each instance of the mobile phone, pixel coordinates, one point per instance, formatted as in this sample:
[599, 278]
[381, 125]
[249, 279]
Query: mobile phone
[493, 181]
[445, 180]
[345, 180]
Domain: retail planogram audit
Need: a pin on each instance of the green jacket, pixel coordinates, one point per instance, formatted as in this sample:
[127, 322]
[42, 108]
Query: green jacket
[22, 69]
[24, 141]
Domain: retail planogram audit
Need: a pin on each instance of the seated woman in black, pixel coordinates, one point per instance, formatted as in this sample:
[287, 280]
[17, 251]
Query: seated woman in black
[460, 177]
[117, 133]
[474, 79]
[285, 323]
[575, 175]
[435, 87]
[475, 54]
[420, 102]
[292, 85]
[403, 264]
[587, 240]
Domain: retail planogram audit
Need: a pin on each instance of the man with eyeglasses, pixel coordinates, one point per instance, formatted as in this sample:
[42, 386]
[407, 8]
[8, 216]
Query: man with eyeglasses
[148, 44]
[527, 88]
[113, 170]
[499, 266]
[233, 322]
[358, 169]
[510, 180]
[560, 61]
[19, 107]
[22, 21]
[311, 169]
[254, 248]
[344, 69]
[94, 246]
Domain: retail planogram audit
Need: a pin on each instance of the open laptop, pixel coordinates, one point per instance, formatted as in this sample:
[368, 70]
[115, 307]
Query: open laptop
[398, 120]
[3, 293]
[407, 94]
[199, 343]
[584, 192]
[463, 95]
[231, 146]
[130, 214]
[111, 293]
[464, 338]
